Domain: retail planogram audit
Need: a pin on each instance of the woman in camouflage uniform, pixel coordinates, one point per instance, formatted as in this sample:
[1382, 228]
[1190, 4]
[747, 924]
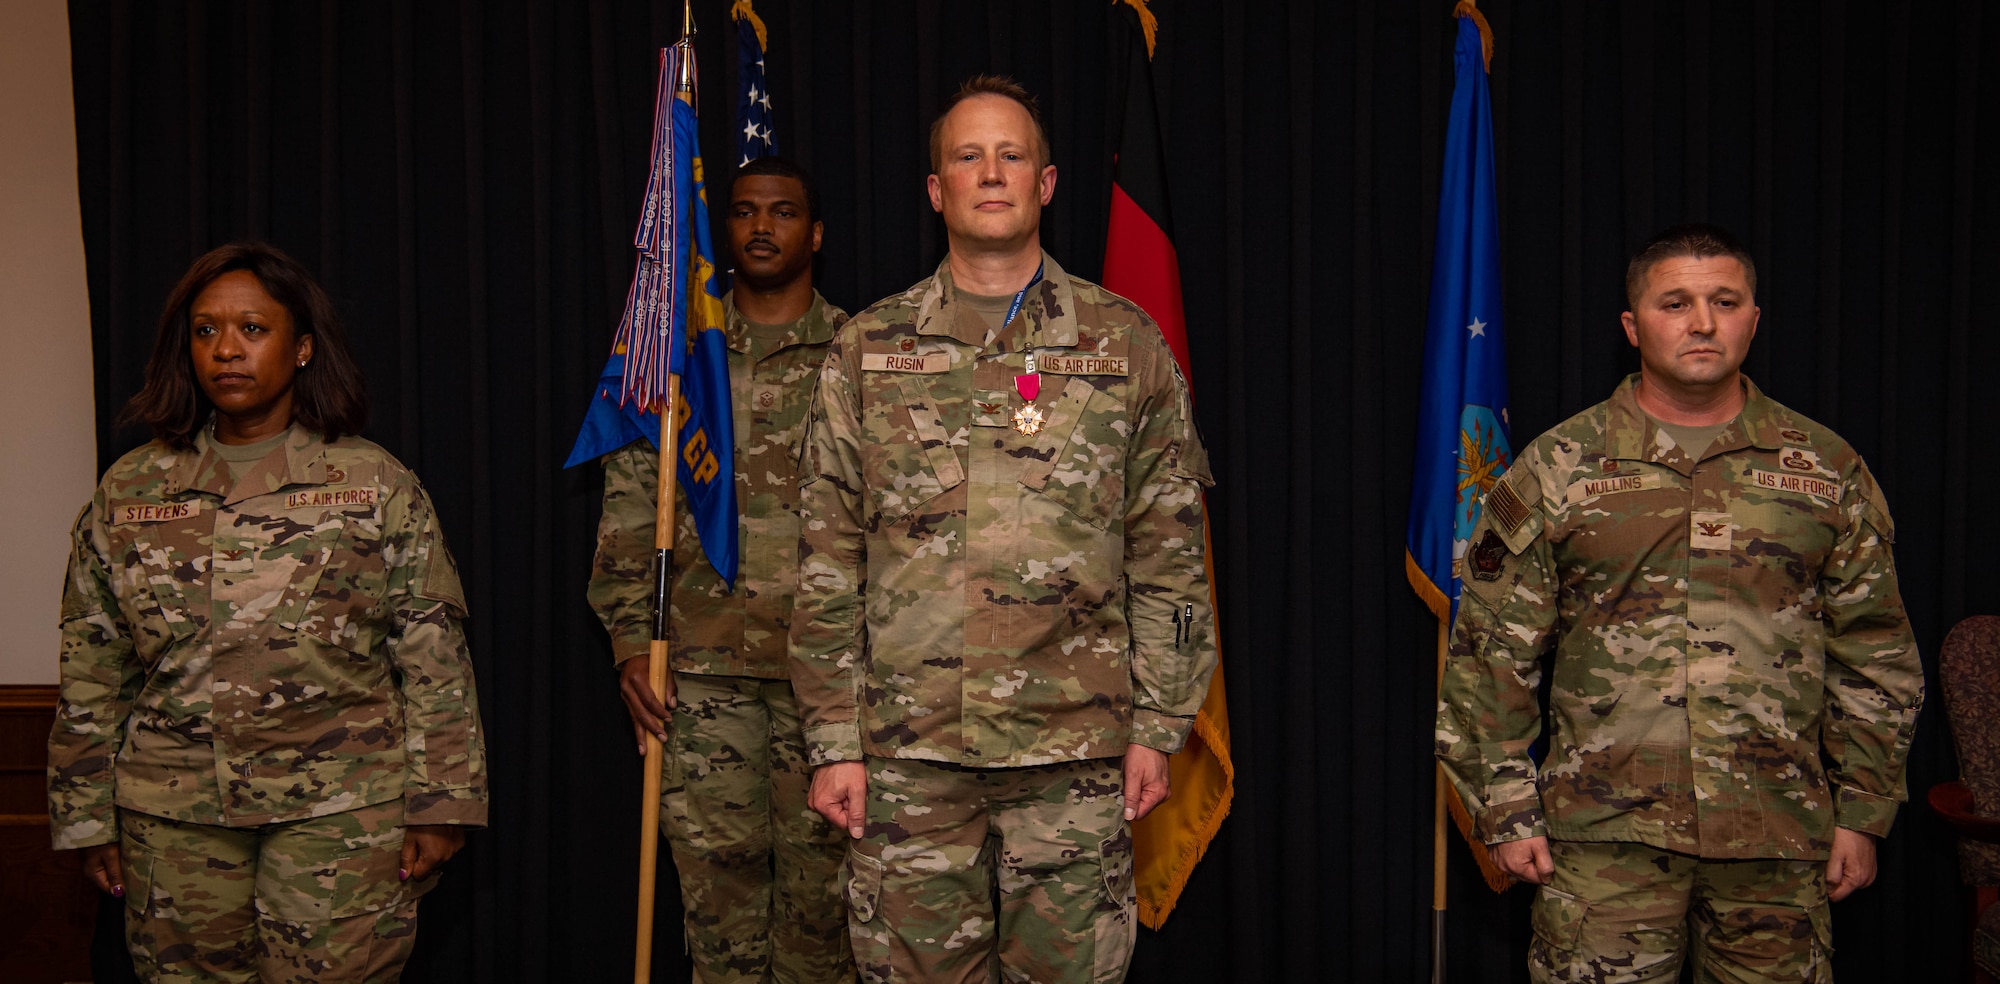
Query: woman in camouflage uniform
[268, 738]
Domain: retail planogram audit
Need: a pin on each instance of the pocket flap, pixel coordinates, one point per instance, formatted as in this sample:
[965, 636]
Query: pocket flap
[1557, 918]
[864, 884]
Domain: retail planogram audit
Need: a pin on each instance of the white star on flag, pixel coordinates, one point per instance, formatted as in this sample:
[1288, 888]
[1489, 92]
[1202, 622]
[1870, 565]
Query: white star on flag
[1477, 327]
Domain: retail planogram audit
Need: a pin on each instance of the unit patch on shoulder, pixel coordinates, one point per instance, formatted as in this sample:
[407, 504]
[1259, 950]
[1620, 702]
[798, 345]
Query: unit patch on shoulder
[1485, 560]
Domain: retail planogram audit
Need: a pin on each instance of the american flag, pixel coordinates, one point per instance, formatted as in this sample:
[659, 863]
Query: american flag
[756, 137]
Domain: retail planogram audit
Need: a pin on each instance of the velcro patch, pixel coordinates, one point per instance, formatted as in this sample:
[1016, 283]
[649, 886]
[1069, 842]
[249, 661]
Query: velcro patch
[1800, 460]
[891, 362]
[1506, 507]
[1084, 365]
[1588, 488]
[127, 513]
[1710, 530]
[1818, 488]
[1486, 559]
[326, 498]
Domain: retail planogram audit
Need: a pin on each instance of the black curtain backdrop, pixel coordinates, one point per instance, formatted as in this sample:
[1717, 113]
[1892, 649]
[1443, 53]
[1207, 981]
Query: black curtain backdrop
[465, 176]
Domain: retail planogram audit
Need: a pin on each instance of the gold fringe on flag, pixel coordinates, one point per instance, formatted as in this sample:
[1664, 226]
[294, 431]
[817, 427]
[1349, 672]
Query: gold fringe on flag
[1148, 23]
[741, 9]
[1465, 8]
[1496, 879]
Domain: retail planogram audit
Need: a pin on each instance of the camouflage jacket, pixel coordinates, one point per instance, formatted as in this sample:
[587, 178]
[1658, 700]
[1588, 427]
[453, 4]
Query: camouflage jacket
[712, 630]
[1733, 671]
[973, 594]
[246, 652]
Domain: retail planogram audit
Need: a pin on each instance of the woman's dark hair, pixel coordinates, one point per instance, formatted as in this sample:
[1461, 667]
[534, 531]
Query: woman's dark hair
[328, 394]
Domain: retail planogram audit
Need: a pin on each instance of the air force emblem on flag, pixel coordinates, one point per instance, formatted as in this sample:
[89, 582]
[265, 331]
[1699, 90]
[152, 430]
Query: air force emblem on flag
[1482, 456]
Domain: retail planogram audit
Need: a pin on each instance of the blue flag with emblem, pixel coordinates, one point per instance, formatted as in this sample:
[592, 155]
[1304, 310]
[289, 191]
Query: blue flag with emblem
[1462, 446]
[755, 136]
[673, 325]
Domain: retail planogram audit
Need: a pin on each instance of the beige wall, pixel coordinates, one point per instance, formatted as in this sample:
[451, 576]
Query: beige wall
[47, 448]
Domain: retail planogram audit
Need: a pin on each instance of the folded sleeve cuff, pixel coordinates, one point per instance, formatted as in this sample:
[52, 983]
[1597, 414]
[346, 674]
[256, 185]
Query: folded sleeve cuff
[1869, 813]
[1162, 732]
[1518, 820]
[464, 805]
[833, 743]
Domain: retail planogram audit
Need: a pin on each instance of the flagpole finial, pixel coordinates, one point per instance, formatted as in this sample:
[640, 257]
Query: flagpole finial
[1149, 24]
[1470, 8]
[687, 20]
[741, 10]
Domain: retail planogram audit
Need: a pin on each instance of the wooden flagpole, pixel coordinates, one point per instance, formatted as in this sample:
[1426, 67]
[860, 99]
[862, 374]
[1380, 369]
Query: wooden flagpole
[658, 652]
[1438, 825]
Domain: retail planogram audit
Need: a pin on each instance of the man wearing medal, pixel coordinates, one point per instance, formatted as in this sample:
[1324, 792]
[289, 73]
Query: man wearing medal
[1002, 625]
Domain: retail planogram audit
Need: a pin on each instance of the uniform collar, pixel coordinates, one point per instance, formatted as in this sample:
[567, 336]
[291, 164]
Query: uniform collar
[812, 328]
[298, 460]
[1048, 313]
[1630, 433]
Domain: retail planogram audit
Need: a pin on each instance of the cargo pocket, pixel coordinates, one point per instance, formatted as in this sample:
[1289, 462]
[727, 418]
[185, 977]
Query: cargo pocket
[348, 884]
[1117, 911]
[868, 937]
[864, 885]
[1557, 921]
[1819, 966]
[136, 866]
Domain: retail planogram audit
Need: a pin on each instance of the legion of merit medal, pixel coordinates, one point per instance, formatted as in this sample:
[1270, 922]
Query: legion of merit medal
[1029, 418]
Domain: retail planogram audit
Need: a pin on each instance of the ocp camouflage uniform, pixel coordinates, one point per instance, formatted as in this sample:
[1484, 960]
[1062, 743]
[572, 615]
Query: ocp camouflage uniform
[988, 618]
[1734, 673]
[274, 663]
[758, 866]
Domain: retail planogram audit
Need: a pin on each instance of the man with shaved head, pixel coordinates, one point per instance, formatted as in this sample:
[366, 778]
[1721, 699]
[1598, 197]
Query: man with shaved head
[1002, 627]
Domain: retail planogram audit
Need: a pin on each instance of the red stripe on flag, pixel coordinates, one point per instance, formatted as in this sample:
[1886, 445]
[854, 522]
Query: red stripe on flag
[1140, 264]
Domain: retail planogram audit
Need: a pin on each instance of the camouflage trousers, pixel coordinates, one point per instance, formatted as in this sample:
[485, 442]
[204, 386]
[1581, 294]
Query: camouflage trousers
[306, 900]
[1622, 912]
[943, 842]
[759, 868]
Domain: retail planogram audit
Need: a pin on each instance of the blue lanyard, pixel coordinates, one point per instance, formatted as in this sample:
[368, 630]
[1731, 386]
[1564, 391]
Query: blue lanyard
[1019, 296]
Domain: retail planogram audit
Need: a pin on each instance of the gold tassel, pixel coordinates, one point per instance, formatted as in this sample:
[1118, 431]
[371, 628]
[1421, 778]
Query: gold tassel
[741, 9]
[1470, 8]
[1148, 24]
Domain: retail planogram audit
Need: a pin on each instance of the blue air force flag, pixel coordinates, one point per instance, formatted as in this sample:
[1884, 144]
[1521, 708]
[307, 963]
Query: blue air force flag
[1462, 445]
[673, 325]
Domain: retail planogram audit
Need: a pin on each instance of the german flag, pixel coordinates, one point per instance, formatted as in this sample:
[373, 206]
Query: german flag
[1140, 264]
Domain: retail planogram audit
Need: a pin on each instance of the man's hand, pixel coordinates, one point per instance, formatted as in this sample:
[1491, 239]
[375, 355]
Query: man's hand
[1147, 782]
[426, 846]
[840, 794]
[1527, 859]
[1852, 866]
[104, 867]
[648, 714]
